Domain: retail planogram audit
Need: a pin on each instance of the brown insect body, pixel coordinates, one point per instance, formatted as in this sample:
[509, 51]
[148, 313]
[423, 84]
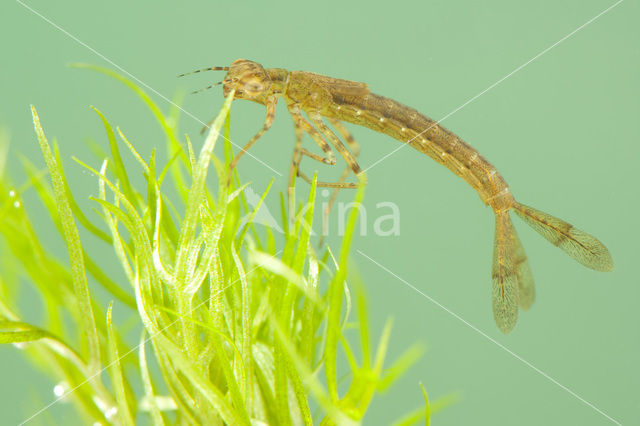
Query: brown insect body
[420, 132]
[353, 102]
[342, 100]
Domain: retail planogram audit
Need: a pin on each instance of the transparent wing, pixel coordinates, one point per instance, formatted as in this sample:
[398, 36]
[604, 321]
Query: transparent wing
[583, 247]
[526, 289]
[504, 275]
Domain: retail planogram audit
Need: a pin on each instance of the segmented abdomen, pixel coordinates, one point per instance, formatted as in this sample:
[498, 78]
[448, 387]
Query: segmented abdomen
[408, 125]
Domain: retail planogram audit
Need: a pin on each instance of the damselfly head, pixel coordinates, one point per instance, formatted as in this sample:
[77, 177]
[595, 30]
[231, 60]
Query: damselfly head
[248, 78]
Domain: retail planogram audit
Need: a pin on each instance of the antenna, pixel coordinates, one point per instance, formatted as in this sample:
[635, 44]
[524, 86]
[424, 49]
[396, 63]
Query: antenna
[205, 69]
[207, 88]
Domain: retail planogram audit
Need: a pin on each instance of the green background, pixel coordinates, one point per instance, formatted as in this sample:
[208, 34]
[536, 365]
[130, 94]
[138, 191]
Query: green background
[563, 131]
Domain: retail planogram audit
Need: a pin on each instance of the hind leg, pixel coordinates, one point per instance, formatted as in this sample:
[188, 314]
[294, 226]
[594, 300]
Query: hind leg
[302, 125]
[355, 151]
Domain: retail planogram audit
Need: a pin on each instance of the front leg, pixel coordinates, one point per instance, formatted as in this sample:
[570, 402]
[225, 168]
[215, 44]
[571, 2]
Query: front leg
[268, 121]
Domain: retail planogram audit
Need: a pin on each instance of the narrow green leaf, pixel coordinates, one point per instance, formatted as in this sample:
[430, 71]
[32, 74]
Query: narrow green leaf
[17, 332]
[383, 346]
[120, 170]
[401, 365]
[252, 216]
[77, 212]
[192, 155]
[419, 414]
[74, 248]
[148, 386]
[196, 193]
[427, 408]
[335, 300]
[245, 335]
[363, 320]
[308, 312]
[123, 395]
[264, 377]
[306, 230]
[283, 213]
[152, 191]
[27, 333]
[168, 165]
[118, 244]
[136, 155]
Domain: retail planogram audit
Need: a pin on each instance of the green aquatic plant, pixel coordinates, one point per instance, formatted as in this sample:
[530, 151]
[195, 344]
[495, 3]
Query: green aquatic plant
[231, 323]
